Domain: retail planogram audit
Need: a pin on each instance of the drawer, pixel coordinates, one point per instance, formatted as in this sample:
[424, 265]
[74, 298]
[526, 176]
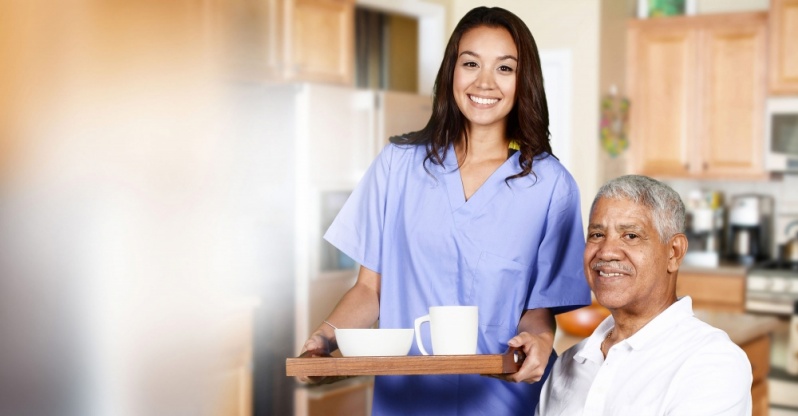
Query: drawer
[713, 291]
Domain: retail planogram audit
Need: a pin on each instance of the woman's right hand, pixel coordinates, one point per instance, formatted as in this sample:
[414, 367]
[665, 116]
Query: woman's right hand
[318, 345]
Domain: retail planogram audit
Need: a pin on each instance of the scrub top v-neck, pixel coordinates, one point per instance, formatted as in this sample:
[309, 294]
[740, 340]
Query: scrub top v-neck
[510, 247]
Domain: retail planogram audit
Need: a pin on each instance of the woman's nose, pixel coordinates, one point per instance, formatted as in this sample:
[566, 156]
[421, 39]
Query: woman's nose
[485, 79]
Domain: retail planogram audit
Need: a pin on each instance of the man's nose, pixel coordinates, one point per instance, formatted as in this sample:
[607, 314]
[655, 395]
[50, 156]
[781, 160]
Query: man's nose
[609, 249]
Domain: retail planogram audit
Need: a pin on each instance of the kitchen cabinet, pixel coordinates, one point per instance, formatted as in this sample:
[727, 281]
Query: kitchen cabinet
[783, 50]
[283, 41]
[758, 352]
[311, 40]
[320, 42]
[697, 86]
[715, 290]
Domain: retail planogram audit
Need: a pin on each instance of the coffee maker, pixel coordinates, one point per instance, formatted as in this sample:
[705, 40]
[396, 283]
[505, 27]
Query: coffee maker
[704, 228]
[750, 227]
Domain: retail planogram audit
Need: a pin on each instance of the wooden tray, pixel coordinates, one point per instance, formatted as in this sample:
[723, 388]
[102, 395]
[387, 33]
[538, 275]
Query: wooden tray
[506, 363]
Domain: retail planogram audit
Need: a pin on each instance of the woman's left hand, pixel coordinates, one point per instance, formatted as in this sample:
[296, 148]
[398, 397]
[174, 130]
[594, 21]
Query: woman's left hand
[537, 349]
[535, 339]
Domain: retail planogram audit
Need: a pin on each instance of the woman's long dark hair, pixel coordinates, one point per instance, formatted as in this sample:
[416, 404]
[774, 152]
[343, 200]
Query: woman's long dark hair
[527, 122]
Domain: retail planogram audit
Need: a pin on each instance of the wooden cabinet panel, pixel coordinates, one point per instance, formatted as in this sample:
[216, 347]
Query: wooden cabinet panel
[661, 80]
[713, 291]
[783, 53]
[758, 352]
[733, 82]
[760, 399]
[322, 41]
[697, 87]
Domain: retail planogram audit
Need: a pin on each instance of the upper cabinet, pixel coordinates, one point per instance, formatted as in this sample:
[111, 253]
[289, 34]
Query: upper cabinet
[697, 87]
[783, 58]
[320, 41]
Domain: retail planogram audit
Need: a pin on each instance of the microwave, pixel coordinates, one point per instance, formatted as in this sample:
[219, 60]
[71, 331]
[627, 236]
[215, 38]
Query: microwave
[781, 134]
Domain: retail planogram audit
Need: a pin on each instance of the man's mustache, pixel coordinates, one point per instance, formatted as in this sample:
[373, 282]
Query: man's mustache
[612, 265]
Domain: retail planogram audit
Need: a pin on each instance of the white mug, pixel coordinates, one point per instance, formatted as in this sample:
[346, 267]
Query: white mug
[453, 328]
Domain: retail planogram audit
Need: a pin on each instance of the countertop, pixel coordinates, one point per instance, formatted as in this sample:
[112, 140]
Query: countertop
[724, 267]
[741, 327]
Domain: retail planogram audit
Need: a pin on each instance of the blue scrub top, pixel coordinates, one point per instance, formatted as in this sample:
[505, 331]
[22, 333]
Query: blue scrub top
[506, 249]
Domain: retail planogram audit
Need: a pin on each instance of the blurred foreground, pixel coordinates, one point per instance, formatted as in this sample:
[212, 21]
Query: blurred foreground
[130, 207]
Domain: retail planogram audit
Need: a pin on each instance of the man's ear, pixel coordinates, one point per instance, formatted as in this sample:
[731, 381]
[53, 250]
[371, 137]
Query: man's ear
[677, 247]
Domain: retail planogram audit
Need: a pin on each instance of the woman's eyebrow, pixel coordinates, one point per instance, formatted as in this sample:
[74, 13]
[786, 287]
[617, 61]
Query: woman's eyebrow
[501, 58]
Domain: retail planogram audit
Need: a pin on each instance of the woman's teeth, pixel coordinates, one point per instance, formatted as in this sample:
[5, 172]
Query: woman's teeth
[486, 101]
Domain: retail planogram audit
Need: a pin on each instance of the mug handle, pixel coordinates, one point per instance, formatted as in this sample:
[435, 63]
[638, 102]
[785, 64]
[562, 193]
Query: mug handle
[420, 343]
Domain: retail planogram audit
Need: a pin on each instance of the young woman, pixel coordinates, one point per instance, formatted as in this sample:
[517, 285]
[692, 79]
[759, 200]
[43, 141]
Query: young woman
[471, 210]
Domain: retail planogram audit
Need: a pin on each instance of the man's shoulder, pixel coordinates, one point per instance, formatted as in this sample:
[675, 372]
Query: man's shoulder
[704, 338]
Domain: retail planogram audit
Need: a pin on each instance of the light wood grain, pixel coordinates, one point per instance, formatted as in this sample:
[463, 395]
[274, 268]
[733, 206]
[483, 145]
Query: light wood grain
[405, 365]
[783, 50]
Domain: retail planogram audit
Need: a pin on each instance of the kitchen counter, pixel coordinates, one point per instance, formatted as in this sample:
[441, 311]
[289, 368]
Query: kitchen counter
[726, 268]
[741, 327]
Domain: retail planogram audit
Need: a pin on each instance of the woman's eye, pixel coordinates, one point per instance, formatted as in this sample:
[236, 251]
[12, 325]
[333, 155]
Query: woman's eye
[505, 68]
[470, 64]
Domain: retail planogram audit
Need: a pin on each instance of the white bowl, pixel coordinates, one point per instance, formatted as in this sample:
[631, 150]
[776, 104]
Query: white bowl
[374, 342]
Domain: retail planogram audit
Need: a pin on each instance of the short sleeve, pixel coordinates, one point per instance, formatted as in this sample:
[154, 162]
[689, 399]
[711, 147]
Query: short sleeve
[560, 282]
[357, 229]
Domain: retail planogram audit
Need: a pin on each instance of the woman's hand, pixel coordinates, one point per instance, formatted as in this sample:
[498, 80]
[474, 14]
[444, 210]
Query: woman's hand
[318, 345]
[537, 348]
[358, 308]
[536, 339]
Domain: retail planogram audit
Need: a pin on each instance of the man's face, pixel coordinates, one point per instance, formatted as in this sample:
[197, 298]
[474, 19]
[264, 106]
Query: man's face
[626, 264]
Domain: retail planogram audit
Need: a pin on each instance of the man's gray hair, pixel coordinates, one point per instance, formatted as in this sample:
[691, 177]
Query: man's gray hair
[667, 208]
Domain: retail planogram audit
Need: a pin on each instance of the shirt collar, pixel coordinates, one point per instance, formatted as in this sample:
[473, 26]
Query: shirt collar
[682, 309]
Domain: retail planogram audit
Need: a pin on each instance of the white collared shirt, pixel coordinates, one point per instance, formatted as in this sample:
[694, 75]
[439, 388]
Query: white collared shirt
[675, 365]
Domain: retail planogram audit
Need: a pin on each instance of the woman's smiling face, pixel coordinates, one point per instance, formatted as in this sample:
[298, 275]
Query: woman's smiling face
[485, 75]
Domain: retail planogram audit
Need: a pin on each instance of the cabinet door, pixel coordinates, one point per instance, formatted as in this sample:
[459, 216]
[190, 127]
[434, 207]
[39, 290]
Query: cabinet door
[783, 47]
[322, 37]
[662, 83]
[732, 84]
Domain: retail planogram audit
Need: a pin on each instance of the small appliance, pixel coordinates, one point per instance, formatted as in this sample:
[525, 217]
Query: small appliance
[781, 134]
[750, 228]
[704, 229]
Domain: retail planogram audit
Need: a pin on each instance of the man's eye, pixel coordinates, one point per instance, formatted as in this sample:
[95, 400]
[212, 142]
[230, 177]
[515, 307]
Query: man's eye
[595, 235]
[631, 236]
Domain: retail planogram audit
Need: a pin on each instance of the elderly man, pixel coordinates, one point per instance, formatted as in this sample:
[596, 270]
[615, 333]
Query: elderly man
[651, 356]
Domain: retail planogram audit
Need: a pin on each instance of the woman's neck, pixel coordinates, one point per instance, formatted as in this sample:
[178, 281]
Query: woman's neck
[484, 143]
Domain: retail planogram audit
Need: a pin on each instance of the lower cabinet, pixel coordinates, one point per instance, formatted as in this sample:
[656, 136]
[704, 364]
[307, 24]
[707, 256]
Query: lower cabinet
[758, 352]
[713, 291]
[351, 397]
